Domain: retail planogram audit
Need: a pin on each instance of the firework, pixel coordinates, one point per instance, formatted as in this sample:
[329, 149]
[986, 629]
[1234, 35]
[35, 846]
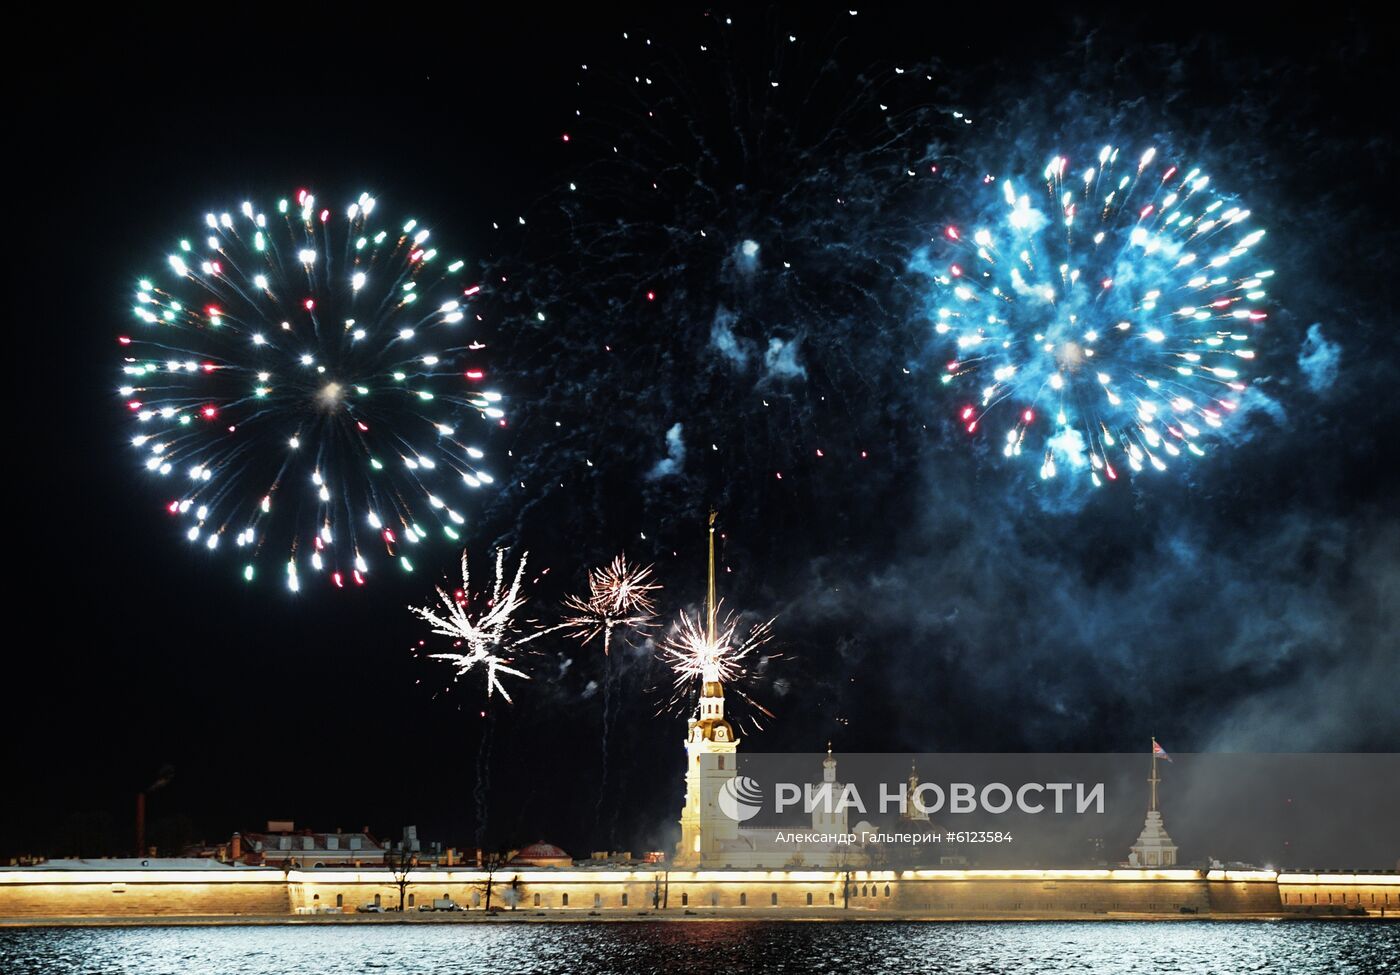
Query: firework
[697, 653]
[740, 190]
[484, 628]
[298, 379]
[619, 594]
[1102, 319]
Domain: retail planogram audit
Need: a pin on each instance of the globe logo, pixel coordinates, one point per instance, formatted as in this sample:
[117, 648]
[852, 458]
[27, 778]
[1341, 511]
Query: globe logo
[741, 798]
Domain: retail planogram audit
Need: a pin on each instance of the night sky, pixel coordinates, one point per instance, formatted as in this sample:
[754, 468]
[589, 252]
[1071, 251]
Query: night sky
[929, 595]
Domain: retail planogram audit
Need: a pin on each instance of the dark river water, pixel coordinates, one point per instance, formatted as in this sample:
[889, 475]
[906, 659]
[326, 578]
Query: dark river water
[718, 947]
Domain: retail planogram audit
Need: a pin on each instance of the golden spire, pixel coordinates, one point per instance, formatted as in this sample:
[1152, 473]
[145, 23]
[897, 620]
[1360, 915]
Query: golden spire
[711, 607]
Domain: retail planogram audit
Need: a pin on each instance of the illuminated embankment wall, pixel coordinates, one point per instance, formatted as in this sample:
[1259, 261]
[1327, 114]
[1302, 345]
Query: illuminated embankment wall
[142, 893]
[941, 893]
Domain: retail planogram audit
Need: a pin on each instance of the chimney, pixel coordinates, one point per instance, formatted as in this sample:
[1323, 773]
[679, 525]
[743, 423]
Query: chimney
[236, 847]
[140, 824]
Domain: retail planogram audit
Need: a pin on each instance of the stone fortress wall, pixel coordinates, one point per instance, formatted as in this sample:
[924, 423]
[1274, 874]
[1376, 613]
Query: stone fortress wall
[38, 893]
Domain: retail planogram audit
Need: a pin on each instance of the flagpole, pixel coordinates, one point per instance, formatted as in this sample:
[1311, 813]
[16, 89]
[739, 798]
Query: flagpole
[1153, 780]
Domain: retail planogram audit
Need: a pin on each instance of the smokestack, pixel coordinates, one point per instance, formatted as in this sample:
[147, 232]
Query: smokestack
[236, 847]
[140, 825]
[167, 772]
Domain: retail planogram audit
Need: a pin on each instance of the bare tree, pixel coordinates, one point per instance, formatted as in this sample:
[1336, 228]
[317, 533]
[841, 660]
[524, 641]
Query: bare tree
[400, 862]
[490, 863]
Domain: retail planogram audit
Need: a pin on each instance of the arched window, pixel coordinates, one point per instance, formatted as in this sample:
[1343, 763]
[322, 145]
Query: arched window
[376, 901]
[597, 900]
[410, 900]
[565, 900]
[685, 900]
[315, 897]
[831, 898]
[743, 900]
[624, 900]
[537, 900]
[887, 890]
[773, 898]
[339, 900]
[809, 898]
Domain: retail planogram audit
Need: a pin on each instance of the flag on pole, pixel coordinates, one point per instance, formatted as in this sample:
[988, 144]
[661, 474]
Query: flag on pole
[1159, 752]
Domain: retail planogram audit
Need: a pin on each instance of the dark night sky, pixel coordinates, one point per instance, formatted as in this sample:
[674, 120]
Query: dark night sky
[929, 600]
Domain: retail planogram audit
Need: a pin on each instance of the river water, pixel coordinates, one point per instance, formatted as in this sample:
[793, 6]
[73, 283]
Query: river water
[730, 948]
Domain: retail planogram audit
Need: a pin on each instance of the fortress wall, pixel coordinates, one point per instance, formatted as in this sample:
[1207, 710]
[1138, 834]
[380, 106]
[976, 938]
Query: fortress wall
[1243, 892]
[1050, 897]
[572, 890]
[58, 897]
[797, 889]
[912, 892]
[507, 889]
[36, 893]
[1339, 893]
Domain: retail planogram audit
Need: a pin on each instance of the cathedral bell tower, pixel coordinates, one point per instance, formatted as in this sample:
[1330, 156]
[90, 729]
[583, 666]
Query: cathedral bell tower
[710, 759]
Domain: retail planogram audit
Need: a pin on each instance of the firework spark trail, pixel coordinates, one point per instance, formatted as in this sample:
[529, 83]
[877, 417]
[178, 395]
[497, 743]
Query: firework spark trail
[1109, 318]
[300, 375]
[695, 658]
[619, 595]
[752, 191]
[489, 639]
[481, 788]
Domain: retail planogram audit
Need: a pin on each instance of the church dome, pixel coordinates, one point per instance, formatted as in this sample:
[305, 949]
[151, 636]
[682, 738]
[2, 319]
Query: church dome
[542, 854]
